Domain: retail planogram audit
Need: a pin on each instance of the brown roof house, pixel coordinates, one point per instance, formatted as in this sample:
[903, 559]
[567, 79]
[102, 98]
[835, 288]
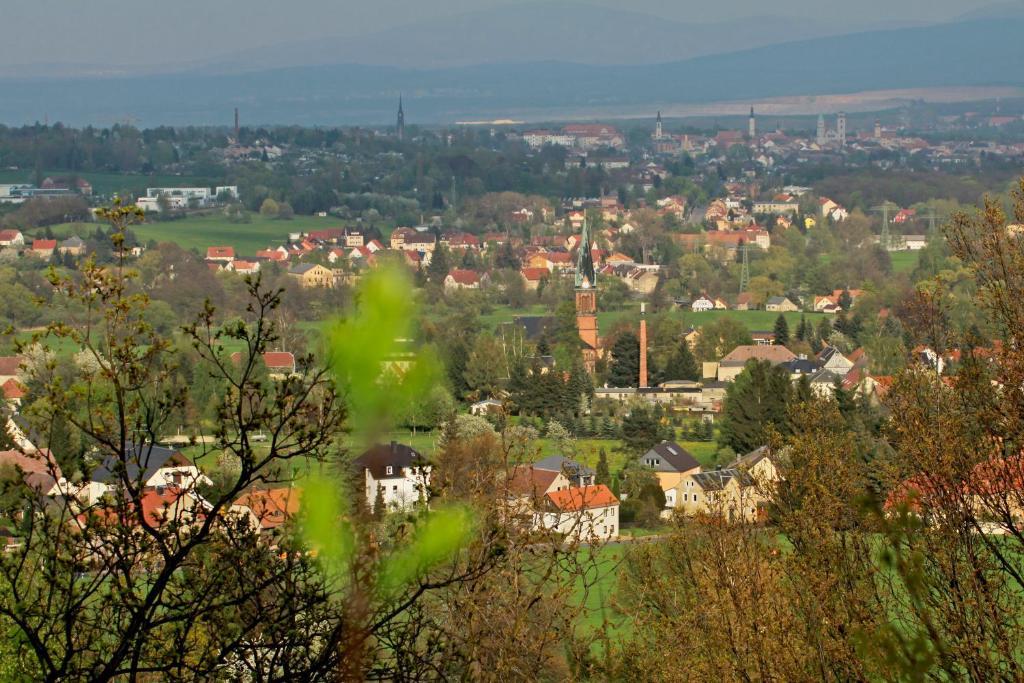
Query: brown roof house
[398, 472]
[732, 364]
[671, 463]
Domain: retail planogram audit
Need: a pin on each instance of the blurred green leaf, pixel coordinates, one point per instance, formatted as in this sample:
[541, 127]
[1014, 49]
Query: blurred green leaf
[329, 534]
[368, 354]
[437, 539]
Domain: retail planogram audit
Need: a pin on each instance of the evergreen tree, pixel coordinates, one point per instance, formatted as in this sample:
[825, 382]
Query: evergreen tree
[682, 364]
[641, 431]
[802, 330]
[506, 257]
[781, 330]
[625, 371]
[756, 401]
[602, 475]
[845, 300]
[543, 347]
[439, 266]
[379, 506]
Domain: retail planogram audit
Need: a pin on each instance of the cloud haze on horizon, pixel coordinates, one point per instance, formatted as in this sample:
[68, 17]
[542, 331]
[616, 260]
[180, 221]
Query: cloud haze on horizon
[130, 32]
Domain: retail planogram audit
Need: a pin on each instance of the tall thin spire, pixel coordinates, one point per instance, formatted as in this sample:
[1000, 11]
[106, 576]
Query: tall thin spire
[586, 278]
[400, 127]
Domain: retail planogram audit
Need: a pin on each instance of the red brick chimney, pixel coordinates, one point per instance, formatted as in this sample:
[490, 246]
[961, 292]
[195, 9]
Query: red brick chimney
[643, 347]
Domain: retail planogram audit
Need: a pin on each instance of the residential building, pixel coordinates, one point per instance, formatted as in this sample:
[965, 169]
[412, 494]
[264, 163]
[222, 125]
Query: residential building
[585, 513]
[731, 494]
[459, 278]
[312, 275]
[780, 304]
[396, 472]
[670, 462]
[11, 238]
[222, 254]
[733, 363]
[145, 465]
[43, 248]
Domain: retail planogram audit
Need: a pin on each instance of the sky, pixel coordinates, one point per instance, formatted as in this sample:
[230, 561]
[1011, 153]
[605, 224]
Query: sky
[147, 32]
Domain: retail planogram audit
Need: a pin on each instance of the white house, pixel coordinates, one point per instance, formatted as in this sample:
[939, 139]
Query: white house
[585, 513]
[399, 472]
[147, 465]
[702, 304]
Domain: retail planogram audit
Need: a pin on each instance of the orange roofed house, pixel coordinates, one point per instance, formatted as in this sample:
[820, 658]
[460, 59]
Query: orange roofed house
[585, 513]
[224, 254]
[280, 364]
[271, 507]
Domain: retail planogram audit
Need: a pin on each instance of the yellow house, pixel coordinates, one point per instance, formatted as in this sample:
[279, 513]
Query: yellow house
[312, 275]
[760, 465]
[671, 464]
[732, 494]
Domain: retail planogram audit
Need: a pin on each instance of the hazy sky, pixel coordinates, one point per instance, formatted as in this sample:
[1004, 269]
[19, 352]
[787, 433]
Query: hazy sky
[151, 32]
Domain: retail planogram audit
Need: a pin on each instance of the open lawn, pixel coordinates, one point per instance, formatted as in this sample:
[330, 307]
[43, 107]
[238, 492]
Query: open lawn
[903, 261]
[214, 230]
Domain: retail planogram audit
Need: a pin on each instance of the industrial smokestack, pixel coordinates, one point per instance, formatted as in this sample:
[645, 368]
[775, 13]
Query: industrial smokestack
[236, 124]
[643, 347]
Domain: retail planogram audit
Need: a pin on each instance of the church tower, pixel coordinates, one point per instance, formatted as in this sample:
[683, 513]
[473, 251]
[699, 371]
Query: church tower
[841, 128]
[586, 301]
[657, 127]
[752, 125]
[400, 127]
[820, 136]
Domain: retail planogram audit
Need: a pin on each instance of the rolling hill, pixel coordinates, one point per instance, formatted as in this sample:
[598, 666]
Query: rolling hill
[975, 52]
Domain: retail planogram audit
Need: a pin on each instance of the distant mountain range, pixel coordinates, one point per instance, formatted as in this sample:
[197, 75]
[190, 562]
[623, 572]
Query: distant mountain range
[549, 31]
[973, 52]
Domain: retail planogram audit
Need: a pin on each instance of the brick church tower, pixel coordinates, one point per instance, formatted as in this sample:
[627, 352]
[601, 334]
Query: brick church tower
[586, 301]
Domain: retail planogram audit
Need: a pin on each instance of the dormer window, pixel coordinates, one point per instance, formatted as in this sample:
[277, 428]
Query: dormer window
[389, 470]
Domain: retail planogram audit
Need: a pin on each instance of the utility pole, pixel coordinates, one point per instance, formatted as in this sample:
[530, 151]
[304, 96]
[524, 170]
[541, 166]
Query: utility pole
[933, 231]
[884, 237]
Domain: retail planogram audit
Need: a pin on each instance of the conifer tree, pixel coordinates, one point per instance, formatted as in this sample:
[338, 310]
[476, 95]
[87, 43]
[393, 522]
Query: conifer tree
[625, 370]
[781, 330]
[602, 475]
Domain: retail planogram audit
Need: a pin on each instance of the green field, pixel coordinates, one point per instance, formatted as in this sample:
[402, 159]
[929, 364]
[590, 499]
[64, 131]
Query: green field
[107, 184]
[214, 230]
[903, 261]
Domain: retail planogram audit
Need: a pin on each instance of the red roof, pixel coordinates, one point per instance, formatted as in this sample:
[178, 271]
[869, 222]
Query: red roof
[10, 365]
[583, 498]
[525, 480]
[279, 360]
[327, 235]
[274, 360]
[44, 245]
[464, 277]
[9, 235]
[272, 507]
[40, 469]
[535, 274]
[272, 254]
[13, 389]
[220, 252]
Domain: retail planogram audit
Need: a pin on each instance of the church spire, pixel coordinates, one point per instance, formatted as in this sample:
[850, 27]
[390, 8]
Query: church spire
[586, 278]
[400, 127]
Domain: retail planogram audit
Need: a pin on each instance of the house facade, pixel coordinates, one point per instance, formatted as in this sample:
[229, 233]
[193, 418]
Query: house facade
[395, 471]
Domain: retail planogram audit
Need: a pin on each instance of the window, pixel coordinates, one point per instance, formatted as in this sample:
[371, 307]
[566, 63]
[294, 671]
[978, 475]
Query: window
[394, 488]
[389, 470]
